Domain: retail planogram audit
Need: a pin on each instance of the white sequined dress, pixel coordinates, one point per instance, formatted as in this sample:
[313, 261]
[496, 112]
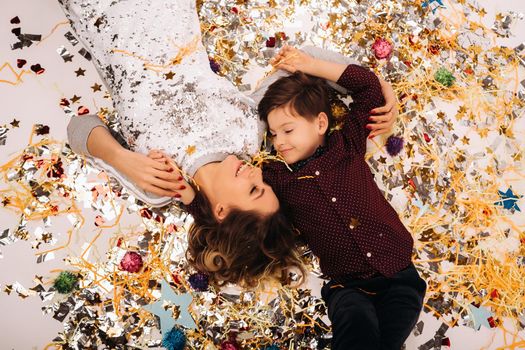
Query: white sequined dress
[157, 70]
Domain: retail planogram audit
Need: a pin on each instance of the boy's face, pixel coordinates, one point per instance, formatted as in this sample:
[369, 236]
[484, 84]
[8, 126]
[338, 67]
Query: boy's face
[293, 136]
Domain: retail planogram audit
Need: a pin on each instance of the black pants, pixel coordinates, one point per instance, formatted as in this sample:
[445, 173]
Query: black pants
[377, 313]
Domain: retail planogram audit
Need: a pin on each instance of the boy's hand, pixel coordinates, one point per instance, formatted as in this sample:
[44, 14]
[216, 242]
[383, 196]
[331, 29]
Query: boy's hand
[384, 117]
[182, 189]
[292, 59]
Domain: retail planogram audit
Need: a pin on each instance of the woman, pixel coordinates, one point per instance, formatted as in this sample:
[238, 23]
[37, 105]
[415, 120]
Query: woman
[168, 98]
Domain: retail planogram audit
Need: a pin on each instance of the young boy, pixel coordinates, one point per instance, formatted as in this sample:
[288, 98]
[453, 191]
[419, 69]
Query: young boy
[375, 294]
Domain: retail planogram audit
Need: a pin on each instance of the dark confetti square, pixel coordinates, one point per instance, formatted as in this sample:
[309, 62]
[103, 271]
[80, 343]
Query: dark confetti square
[16, 31]
[20, 62]
[37, 68]
[15, 20]
[41, 129]
[84, 53]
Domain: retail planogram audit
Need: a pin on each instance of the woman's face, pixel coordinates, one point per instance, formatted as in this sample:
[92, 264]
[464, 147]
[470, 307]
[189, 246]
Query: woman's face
[236, 184]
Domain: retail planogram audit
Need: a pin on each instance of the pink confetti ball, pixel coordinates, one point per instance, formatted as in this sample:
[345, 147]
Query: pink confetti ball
[229, 345]
[382, 48]
[131, 262]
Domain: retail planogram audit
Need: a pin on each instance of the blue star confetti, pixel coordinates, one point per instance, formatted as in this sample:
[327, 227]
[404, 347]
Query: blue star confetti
[433, 4]
[170, 299]
[508, 199]
[480, 316]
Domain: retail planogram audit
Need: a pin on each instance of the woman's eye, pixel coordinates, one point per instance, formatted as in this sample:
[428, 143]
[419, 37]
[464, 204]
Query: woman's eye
[288, 131]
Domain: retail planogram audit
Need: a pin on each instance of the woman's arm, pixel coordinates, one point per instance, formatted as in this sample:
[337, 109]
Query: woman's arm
[90, 137]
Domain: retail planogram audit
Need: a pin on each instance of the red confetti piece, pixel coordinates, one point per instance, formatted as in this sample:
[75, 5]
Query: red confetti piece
[64, 102]
[445, 342]
[99, 221]
[492, 322]
[146, 213]
[427, 138]
[270, 42]
[494, 294]
[82, 110]
[20, 62]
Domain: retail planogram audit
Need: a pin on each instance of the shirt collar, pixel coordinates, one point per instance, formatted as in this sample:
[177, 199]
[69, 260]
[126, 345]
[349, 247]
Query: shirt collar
[300, 164]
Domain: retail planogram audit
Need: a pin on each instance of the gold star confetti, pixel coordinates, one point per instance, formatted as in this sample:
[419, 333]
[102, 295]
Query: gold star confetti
[96, 87]
[8, 289]
[80, 72]
[354, 222]
[169, 75]
[190, 150]
[75, 99]
[15, 123]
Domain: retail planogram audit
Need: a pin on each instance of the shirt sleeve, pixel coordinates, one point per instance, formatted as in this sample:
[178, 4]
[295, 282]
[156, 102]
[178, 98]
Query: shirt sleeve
[78, 131]
[364, 87]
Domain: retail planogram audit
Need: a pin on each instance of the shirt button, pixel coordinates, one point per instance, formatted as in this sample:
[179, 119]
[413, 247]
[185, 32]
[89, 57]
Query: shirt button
[368, 254]
[334, 199]
[317, 173]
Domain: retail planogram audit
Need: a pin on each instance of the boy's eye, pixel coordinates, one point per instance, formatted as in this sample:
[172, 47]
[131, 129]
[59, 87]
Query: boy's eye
[288, 131]
[254, 188]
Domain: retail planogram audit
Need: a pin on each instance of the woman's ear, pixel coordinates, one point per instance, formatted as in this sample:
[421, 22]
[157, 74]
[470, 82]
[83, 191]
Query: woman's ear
[322, 120]
[220, 211]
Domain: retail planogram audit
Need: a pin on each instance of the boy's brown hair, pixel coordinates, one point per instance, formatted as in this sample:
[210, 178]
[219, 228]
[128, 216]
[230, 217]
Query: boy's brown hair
[244, 247]
[305, 94]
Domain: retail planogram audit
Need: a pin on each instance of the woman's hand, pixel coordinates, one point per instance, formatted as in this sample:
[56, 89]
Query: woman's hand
[182, 189]
[292, 59]
[384, 117]
[148, 174]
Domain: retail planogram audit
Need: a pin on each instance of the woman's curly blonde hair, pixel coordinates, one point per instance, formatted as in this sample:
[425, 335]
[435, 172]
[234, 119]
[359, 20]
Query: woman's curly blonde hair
[244, 247]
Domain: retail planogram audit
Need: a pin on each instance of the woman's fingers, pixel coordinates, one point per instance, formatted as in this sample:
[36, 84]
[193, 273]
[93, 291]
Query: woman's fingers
[383, 109]
[160, 191]
[380, 118]
[170, 186]
[168, 176]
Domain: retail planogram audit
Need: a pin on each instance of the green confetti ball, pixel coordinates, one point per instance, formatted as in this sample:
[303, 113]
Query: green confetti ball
[65, 282]
[444, 77]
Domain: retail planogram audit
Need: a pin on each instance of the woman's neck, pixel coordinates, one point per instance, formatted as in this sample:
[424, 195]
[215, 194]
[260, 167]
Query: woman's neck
[204, 174]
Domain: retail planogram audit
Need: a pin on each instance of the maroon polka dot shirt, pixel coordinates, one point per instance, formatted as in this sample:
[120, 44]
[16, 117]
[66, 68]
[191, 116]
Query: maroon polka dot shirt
[334, 201]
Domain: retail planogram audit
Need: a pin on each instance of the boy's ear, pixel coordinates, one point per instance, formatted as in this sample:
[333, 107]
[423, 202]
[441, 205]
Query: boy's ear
[220, 211]
[322, 120]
